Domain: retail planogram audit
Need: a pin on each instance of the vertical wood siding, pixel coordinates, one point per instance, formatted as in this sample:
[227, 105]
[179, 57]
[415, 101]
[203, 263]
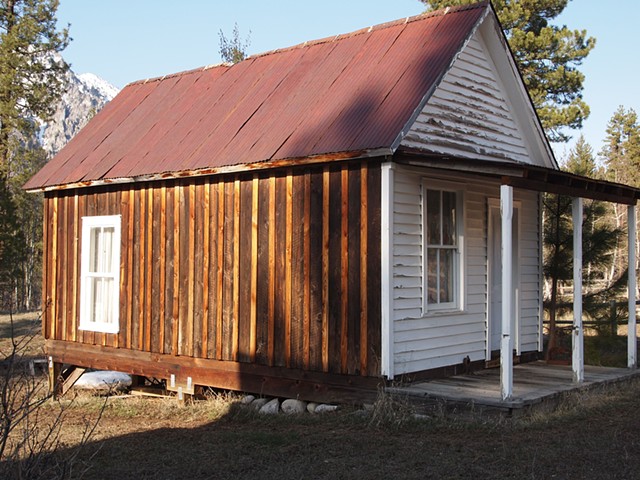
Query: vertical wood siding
[468, 114]
[446, 338]
[278, 269]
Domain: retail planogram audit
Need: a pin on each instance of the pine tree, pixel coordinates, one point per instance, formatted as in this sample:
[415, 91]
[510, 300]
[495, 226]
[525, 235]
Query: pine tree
[547, 56]
[11, 241]
[31, 80]
[621, 152]
[31, 74]
[598, 241]
[621, 155]
[28, 159]
[581, 159]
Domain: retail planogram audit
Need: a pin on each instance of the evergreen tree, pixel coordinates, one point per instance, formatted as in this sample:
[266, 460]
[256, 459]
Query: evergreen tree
[11, 242]
[31, 74]
[234, 49]
[581, 160]
[547, 56]
[28, 159]
[31, 81]
[599, 238]
[621, 155]
[621, 152]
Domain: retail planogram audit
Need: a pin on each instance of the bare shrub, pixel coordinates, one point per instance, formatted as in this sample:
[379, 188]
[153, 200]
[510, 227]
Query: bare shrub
[31, 420]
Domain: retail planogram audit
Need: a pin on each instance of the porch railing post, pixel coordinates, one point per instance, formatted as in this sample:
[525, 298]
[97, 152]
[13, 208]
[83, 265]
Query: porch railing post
[506, 342]
[577, 360]
[632, 344]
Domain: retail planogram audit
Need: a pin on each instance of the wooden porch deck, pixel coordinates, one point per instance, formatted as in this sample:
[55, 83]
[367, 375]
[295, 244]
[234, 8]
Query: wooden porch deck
[536, 385]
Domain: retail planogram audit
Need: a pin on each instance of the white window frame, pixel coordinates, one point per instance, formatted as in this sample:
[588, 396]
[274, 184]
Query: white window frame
[456, 304]
[86, 321]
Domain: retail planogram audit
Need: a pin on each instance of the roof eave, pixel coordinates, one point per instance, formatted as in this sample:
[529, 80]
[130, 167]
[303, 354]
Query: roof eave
[527, 176]
[230, 169]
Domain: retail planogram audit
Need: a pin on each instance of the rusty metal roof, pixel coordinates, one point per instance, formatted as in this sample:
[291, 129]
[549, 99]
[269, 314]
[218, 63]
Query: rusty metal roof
[343, 95]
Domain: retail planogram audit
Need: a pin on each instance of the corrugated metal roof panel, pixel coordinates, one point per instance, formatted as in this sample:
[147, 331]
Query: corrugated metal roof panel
[439, 42]
[353, 92]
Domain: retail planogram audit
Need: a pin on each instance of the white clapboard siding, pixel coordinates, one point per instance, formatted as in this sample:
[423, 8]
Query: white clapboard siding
[407, 246]
[468, 115]
[437, 339]
[529, 271]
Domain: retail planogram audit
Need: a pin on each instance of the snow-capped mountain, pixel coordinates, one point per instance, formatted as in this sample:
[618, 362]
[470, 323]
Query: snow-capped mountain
[85, 96]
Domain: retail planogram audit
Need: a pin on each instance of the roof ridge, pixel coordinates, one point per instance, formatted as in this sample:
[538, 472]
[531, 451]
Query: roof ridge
[380, 26]
[179, 74]
[334, 38]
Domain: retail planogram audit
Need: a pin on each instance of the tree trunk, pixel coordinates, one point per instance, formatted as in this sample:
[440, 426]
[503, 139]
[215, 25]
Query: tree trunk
[552, 341]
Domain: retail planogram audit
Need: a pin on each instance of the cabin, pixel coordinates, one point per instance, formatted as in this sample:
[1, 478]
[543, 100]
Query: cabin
[311, 222]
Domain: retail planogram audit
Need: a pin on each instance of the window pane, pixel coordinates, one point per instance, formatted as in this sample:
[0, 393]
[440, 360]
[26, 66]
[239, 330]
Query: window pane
[432, 275]
[108, 295]
[433, 217]
[96, 299]
[446, 275]
[94, 249]
[107, 252]
[448, 218]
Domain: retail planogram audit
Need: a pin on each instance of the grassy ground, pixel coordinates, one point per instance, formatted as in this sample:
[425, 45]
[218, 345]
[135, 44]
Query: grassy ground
[592, 436]
[25, 328]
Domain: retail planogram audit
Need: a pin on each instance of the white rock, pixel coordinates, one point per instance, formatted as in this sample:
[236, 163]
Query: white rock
[311, 407]
[271, 407]
[258, 403]
[103, 380]
[420, 416]
[293, 406]
[247, 399]
[324, 408]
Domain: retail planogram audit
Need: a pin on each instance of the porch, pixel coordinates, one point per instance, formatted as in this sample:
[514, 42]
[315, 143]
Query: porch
[536, 386]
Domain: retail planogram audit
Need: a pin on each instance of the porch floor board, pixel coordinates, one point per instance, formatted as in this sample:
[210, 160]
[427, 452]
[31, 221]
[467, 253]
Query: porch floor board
[534, 384]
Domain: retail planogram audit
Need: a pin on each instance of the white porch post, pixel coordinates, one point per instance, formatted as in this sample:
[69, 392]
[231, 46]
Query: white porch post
[506, 342]
[387, 270]
[578, 333]
[632, 345]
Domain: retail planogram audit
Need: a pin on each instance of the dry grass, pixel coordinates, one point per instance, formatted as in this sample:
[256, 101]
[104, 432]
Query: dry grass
[26, 328]
[593, 435]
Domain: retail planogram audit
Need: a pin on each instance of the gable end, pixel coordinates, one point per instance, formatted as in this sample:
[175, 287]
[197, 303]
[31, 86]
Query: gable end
[469, 115]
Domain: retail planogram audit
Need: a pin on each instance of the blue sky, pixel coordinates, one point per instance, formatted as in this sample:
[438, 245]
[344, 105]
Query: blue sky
[123, 41]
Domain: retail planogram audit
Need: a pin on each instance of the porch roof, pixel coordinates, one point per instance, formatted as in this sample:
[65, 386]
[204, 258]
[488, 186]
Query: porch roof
[529, 177]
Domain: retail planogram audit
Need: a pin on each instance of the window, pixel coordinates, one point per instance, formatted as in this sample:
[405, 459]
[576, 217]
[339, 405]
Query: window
[100, 274]
[441, 249]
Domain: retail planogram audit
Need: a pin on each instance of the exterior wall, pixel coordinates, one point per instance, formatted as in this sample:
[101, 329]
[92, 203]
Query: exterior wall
[279, 268]
[530, 264]
[469, 114]
[441, 339]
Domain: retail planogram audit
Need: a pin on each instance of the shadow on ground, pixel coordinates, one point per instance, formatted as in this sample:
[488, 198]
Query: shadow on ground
[597, 441]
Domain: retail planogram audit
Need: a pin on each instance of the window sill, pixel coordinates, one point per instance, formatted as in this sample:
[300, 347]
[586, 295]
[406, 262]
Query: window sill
[99, 328]
[444, 312]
